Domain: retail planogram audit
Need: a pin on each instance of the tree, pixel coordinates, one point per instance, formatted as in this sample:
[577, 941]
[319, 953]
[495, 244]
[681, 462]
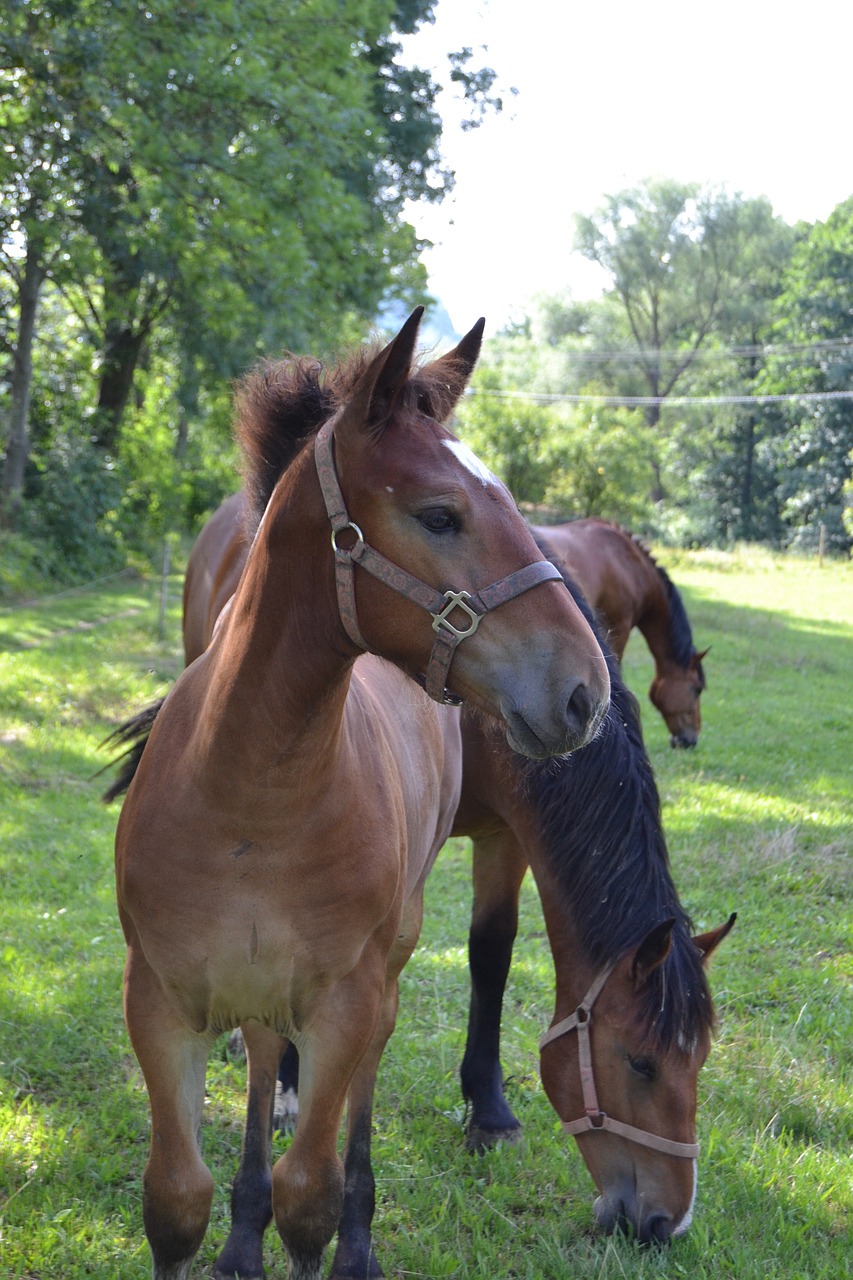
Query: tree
[814, 323]
[220, 179]
[675, 254]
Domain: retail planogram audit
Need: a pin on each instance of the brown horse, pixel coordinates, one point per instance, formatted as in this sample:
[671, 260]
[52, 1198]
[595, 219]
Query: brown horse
[590, 828]
[289, 800]
[633, 1014]
[627, 589]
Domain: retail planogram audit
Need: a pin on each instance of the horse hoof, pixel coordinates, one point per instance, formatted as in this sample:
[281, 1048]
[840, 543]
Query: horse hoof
[479, 1140]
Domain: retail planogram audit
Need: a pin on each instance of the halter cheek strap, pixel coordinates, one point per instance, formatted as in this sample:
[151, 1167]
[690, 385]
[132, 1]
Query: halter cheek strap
[594, 1119]
[466, 608]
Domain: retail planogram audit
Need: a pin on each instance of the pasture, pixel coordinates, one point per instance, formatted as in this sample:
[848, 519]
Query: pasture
[759, 819]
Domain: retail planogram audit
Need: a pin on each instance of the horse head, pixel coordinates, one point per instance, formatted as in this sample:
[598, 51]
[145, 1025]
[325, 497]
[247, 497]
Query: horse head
[675, 693]
[634, 1093]
[414, 500]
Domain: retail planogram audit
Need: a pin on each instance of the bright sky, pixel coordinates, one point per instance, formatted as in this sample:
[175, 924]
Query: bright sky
[753, 94]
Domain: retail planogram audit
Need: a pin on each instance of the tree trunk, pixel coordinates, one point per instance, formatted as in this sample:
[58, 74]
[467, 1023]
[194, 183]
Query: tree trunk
[122, 349]
[18, 446]
[747, 495]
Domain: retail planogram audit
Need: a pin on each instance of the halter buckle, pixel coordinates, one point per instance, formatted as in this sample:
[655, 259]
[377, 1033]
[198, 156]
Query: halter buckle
[456, 600]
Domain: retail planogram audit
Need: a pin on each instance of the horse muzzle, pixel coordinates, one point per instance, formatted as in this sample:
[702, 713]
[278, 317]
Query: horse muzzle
[538, 736]
[627, 1215]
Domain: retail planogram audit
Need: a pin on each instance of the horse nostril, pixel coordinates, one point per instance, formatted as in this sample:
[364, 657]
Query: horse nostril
[657, 1229]
[581, 712]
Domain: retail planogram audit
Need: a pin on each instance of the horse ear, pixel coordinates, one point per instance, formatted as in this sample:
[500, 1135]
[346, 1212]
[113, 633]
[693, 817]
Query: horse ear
[652, 951]
[369, 406]
[708, 942]
[452, 371]
[698, 656]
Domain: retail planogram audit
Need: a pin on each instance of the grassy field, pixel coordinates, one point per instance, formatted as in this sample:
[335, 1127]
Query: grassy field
[759, 820]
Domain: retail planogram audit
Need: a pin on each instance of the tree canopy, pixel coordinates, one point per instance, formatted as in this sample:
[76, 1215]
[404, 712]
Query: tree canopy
[730, 331]
[186, 186]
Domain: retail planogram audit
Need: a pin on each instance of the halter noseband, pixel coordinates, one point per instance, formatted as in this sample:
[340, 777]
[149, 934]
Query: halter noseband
[440, 605]
[594, 1118]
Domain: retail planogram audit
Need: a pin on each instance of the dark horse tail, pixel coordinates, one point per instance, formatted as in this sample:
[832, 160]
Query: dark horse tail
[132, 735]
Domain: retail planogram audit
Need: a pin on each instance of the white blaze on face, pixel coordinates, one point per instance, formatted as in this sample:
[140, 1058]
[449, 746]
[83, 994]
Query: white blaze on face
[682, 1226]
[472, 463]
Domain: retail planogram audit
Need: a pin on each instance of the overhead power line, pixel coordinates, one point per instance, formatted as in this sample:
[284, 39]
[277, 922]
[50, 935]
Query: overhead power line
[641, 402]
[825, 347]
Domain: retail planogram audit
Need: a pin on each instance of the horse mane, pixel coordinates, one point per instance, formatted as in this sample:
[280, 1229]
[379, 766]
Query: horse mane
[680, 634]
[281, 404]
[598, 812]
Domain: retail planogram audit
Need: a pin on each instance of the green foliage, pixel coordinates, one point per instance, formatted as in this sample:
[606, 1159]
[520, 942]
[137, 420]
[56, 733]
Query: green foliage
[604, 467]
[576, 462]
[717, 299]
[814, 439]
[752, 825]
[193, 190]
[67, 516]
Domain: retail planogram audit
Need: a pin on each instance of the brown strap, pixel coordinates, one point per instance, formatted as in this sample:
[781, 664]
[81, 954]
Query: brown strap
[442, 607]
[595, 1119]
[594, 1124]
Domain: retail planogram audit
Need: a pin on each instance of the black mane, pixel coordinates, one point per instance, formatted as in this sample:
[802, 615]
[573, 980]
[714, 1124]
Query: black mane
[680, 634]
[600, 822]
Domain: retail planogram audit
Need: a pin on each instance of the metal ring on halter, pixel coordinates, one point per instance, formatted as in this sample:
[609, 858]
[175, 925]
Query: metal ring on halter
[359, 538]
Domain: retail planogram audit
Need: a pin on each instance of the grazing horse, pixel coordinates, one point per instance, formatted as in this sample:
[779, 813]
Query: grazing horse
[633, 1014]
[628, 589]
[288, 798]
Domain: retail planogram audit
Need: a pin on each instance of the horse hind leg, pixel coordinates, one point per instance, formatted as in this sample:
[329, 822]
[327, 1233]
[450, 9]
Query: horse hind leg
[251, 1194]
[177, 1185]
[498, 870]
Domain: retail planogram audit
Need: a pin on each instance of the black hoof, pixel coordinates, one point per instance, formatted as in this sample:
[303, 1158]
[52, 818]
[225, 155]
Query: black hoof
[479, 1140]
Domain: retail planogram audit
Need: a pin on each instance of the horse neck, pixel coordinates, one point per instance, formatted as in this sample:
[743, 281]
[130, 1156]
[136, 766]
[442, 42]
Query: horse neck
[595, 844]
[654, 620]
[280, 669]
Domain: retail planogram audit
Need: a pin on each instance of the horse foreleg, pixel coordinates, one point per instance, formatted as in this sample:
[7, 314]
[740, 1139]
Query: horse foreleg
[308, 1180]
[354, 1256]
[251, 1194]
[177, 1185]
[498, 870]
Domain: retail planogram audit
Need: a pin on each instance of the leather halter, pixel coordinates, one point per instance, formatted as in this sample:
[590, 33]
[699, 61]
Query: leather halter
[440, 605]
[594, 1119]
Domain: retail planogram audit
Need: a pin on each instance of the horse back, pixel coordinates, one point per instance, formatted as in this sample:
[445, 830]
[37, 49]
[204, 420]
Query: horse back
[213, 571]
[609, 568]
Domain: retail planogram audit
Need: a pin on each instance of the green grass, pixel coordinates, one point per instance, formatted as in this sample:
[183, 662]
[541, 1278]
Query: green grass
[759, 820]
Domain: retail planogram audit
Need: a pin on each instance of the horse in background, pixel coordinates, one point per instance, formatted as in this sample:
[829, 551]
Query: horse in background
[633, 1013]
[627, 588]
[287, 799]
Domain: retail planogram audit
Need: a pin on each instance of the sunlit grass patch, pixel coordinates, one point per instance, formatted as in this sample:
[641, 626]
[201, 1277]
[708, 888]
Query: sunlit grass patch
[759, 819]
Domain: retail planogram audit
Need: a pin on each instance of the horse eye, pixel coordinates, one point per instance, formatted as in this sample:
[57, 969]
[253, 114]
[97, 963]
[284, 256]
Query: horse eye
[438, 520]
[642, 1067]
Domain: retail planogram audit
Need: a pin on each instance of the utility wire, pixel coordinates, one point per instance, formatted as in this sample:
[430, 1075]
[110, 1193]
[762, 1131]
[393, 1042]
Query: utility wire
[827, 346]
[636, 402]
